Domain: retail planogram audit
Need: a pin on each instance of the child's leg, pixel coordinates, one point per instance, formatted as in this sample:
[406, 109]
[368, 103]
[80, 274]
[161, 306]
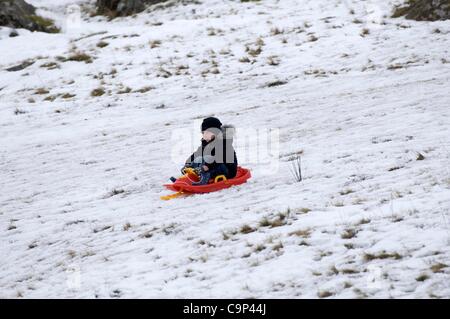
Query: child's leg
[218, 169]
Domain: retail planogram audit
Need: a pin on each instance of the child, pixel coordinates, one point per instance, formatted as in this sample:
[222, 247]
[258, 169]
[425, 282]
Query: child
[216, 155]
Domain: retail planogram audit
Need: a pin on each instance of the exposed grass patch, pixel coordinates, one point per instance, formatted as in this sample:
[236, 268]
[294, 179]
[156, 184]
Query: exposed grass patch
[155, 44]
[304, 243]
[102, 44]
[259, 248]
[45, 23]
[349, 233]
[338, 204]
[313, 38]
[125, 90]
[303, 233]
[349, 271]
[394, 168]
[363, 221]
[397, 66]
[115, 192]
[264, 222]
[276, 31]
[254, 52]
[50, 65]
[145, 89]
[436, 268]
[244, 59]
[422, 277]
[21, 66]
[383, 255]
[346, 191]
[97, 92]
[278, 247]
[324, 294]
[100, 229]
[276, 83]
[246, 229]
[146, 234]
[67, 96]
[50, 98]
[76, 57]
[365, 32]
[41, 91]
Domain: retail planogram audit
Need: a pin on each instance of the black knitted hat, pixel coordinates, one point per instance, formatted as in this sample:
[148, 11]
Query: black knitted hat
[211, 122]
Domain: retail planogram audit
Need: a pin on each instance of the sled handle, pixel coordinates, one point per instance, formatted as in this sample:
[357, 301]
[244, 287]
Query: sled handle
[189, 170]
[220, 177]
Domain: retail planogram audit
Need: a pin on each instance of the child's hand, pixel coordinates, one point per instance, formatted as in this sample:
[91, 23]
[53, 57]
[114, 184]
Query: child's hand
[205, 168]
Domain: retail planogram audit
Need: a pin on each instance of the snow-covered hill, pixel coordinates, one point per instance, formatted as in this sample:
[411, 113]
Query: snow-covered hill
[87, 136]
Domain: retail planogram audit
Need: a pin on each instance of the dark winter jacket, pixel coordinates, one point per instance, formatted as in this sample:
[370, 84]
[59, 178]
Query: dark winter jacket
[221, 149]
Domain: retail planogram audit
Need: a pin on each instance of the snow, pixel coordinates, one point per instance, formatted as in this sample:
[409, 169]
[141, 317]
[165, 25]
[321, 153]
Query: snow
[81, 177]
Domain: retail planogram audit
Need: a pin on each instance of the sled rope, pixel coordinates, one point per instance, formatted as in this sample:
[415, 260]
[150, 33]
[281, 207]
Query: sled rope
[172, 196]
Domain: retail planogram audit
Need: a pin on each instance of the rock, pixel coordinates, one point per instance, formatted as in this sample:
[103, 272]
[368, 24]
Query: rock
[13, 34]
[20, 14]
[20, 66]
[425, 10]
[114, 8]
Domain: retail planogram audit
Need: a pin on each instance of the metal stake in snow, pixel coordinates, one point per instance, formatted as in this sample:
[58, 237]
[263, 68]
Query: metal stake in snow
[296, 168]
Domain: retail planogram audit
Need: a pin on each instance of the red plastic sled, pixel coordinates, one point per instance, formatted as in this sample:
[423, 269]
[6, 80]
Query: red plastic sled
[183, 185]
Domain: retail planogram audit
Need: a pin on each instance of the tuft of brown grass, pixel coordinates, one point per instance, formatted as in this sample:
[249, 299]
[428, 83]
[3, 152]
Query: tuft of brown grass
[324, 294]
[41, 91]
[346, 191]
[155, 44]
[365, 32]
[246, 229]
[304, 233]
[276, 31]
[67, 96]
[97, 92]
[436, 268]
[79, 57]
[349, 233]
[145, 89]
[244, 59]
[383, 255]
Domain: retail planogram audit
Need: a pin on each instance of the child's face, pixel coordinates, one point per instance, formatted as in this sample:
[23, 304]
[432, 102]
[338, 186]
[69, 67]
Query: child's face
[207, 135]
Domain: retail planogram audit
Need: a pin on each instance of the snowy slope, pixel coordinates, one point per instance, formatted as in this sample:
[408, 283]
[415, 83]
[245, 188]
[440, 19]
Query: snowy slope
[363, 96]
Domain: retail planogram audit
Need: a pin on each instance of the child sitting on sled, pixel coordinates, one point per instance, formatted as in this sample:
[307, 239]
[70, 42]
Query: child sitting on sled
[216, 155]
